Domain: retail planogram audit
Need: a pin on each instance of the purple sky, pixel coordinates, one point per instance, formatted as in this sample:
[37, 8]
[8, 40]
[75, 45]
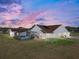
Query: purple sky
[29, 12]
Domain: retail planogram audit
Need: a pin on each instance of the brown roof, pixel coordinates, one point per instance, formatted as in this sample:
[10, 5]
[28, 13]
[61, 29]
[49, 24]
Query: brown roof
[19, 29]
[48, 29]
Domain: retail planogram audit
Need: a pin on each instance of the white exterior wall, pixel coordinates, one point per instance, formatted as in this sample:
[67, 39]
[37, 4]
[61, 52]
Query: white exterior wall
[11, 33]
[37, 30]
[46, 35]
[61, 32]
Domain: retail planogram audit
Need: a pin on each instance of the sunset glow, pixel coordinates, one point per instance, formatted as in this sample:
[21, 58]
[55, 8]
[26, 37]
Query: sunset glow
[27, 12]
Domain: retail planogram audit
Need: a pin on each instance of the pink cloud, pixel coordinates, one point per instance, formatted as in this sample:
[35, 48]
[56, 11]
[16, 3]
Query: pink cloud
[29, 20]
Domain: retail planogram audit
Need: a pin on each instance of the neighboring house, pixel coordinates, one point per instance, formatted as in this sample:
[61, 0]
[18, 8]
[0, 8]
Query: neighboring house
[20, 33]
[52, 31]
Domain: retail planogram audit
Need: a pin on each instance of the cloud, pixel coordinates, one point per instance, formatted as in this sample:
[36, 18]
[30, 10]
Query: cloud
[51, 17]
[29, 20]
[3, 9]
[11, 11]
[15, 9]
[8, 2]
[53, 12]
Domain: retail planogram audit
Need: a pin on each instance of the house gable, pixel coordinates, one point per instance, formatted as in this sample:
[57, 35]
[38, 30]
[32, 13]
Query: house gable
[61, 32]
[35, 28]
[61, 29]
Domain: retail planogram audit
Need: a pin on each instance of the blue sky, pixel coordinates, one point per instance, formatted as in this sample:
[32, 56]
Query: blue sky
[53, 11]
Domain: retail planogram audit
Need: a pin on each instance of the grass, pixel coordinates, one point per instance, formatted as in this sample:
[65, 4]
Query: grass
[6, 37]
[60, 42]
[31, 49]
[75, 33]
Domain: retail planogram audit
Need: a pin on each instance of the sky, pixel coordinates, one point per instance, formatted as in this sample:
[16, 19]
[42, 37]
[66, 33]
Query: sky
[25, 13]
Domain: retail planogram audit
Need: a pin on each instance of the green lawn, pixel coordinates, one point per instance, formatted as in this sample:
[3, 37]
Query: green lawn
[75, 33]
[32, 49]
[58, 42]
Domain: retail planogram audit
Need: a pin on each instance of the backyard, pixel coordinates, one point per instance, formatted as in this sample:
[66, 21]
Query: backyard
[11, 48]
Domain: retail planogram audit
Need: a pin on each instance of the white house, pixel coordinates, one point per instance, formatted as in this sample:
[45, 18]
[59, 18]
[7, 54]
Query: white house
[50, 31]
